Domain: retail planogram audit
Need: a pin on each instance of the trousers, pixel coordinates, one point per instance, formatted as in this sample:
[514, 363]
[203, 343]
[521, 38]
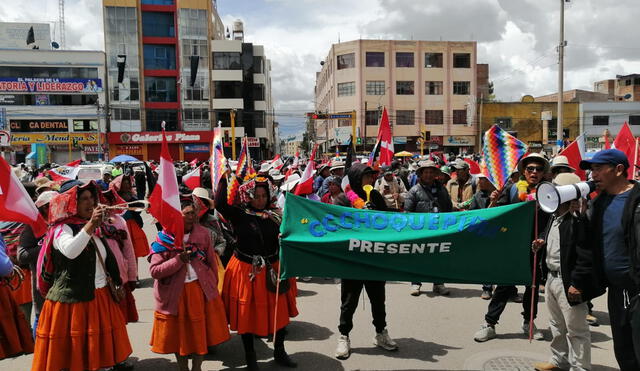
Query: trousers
[499, 301]
[624, 314]
[350, 295]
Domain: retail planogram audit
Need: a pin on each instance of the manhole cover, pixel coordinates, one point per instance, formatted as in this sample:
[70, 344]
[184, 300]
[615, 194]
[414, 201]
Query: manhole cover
[509, 363]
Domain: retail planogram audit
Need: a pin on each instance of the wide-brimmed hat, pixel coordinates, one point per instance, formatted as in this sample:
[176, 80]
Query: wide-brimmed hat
[426, 164]
[275, 174]
[459, 164]
[265, 167]
[42, 183]
[45, 198]
[335, 165]
[533, 157]
[291, 182]
[203, 193]
[566, 179]
[322, 167]
[561, 161]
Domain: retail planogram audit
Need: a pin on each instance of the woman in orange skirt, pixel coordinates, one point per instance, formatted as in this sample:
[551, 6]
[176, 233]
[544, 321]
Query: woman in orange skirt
[15, 336]
[80, 326]
[248, 292]
[189, 315]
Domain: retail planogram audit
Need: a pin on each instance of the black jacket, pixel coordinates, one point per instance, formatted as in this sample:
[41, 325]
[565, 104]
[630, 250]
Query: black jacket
[631, 227]
[355, 173]
[420, 199]
[576, 258]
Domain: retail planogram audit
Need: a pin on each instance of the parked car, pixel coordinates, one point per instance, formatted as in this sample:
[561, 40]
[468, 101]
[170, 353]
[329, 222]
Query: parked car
[93, 171]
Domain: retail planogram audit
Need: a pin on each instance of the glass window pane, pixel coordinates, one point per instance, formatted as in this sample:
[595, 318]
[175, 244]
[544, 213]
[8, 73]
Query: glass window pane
[405, 117]
[433, 117]
[433, 60]
[158, 24]
[160, 89]
[346, 61]
[433, 87]
[404, 59]
[346, 88]
[404, 87]
[375, 59]
[461, 60]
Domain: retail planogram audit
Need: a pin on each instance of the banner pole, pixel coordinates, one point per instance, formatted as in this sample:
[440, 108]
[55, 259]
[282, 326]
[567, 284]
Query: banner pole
[275, 311]
[535, 270]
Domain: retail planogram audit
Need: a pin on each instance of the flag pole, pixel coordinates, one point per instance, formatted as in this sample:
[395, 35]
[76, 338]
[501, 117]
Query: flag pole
[535, 270]
[275, 310]
[635, 160]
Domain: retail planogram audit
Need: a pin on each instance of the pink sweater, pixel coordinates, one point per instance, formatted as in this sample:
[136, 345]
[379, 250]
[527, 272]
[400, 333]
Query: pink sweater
[126, 258]
[169, 273]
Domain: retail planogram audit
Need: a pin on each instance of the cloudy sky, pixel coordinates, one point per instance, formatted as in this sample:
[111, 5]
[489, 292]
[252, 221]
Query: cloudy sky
[517, 38]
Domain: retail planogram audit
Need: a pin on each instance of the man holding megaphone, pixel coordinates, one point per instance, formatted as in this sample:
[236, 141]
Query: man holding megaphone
[567, 263]
[614, 232]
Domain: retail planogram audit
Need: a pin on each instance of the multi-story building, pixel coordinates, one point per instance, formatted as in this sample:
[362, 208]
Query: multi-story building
[241, 79]
[291, 145]
[159, 63]
[596, 117]
[52, 97]
[575, 95]
[622, 88]
[425, 86]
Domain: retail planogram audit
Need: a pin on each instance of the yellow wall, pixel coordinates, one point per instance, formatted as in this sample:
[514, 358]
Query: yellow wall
[193, 4]
[526, 118]
[132, 3]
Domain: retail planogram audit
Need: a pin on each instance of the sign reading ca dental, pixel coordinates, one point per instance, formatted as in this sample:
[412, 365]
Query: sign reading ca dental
[55, 139]
[26, 126]
[49, 85]
[156, 137]
[488, 245]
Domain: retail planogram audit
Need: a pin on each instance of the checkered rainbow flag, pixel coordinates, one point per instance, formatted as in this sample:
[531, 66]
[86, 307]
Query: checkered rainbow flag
[501, 152]
[244, 171]
[218, 161]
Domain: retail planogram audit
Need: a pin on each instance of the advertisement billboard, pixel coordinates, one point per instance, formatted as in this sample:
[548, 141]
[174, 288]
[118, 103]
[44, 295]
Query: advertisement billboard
[49, 85]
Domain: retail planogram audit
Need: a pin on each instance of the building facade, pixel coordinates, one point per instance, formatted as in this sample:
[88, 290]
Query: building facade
[159, 63]
[425, 86]
[596, 117]
[622, 88]
[55, 98]
[526, 121]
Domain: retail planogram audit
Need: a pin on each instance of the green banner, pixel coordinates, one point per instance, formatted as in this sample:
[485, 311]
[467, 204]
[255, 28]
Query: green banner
[480, 246]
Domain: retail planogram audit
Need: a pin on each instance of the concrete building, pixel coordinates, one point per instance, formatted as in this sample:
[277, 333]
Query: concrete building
[51, 97]
[292, 145]
[575, 95]
[525, 121]
[425, 86]
[241, 80]
[622, 88]
[596, 117]
[159, 63]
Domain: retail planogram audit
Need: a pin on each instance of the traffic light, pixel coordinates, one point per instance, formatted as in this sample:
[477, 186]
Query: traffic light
[427, 135]
[317, 116]
[226, 138]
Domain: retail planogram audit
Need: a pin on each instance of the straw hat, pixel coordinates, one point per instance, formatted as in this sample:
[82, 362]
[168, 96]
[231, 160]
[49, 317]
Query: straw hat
[291, 182]
[561, 161]
[566, 179]
[45, 198]
[203, 193]
[533, 157]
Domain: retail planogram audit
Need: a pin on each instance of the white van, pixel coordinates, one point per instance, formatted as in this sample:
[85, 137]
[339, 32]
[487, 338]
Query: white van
[93, 171]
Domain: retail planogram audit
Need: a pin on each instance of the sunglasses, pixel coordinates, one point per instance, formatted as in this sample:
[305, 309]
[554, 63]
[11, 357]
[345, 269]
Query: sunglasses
[531, 169]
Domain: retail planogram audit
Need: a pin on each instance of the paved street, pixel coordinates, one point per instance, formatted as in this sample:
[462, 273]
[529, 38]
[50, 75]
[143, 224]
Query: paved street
[434, 333]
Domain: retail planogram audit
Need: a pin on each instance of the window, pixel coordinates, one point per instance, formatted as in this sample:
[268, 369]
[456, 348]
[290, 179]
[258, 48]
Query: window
[404, 87]
[160, 89]
[227, 89]
[126, 114]
[634, 120]
[199, 90]
[254, 119]
[601, 120]
[459, 116]
[375, 59]
[224, 116]
[346, 88]
[433, 87]
[258, 91]
[433, 117]
[371, 118]
[158, 2]
[226, 61]
[193, 23]
[159, 57]
[158, 24]
[405, 117]
[433, 60]
[156, 116]
[85, 125]
[636, 81]
[196, 114]
[375, 88]
[345, 61]
[461, 87]
[461, 60]
[627, 82]
[404, 59]
[503, 122]
[257, 65]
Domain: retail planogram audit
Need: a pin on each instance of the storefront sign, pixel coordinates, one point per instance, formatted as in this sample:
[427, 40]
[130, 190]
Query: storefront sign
[156, 137]
[59, 139]
[399, 140]
[343, 134]
[458, 140]
[253, 142]
[195, 126]
[29, 126]
[196, 148]
[7, 99]
[49, 85]
[129, 149]
[91, 149]
[435, 139]
[5, 138]
[535, 144]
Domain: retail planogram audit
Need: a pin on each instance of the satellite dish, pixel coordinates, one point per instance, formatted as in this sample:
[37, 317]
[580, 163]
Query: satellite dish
[627, 96]
[55, 45]
[322, 63]
[527, 99]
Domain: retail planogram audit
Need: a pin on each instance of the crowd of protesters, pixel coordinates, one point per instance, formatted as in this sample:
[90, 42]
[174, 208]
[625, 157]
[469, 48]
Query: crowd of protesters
[78, 281]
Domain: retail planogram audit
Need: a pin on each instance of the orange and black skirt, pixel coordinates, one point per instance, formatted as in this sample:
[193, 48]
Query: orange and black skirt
[81, 336]
[23, 294]
[15, 335]
[198, 325]
[250, 306]
[138, 239]
[128, 306]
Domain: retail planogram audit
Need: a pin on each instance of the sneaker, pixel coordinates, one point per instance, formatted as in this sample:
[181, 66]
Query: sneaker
[486, 332]
[383, 340]
[440, 289]
[537, 334]
[415, 290]
[517, 298]
[486, 294]
[305, 279]
[592, 320]
[343, 350]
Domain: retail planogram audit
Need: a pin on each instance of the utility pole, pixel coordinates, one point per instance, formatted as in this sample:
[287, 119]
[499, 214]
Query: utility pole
[233, 133]
[561, 45]
[364, 140]
[100, 152]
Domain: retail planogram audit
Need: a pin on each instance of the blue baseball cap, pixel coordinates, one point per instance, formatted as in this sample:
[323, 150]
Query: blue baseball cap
[606, 156]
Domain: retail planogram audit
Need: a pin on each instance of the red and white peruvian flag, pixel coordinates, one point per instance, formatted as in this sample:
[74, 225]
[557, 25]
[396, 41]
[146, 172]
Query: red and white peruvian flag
[575, 153]
[305, 186]
[74, 163]
[193, 162]
[296, 159]
[626, 143]
[165, 198]
[386, 140]
[192, 179]
[64, 173]
[15, 203]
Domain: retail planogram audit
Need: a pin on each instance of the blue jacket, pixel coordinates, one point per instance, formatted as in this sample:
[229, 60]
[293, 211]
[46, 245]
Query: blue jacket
[5, 263]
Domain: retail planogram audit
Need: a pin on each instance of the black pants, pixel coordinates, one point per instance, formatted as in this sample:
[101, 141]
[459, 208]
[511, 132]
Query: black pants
[350, 294]
[500, 298]
[625, 327]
